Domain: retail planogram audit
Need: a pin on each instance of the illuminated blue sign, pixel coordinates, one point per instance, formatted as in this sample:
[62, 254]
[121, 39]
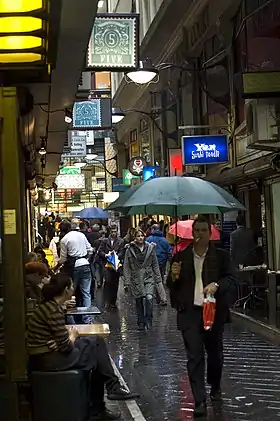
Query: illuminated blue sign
[149, 172]
[202, 150]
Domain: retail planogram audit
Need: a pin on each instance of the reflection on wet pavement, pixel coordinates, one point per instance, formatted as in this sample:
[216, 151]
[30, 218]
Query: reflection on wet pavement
[154, 363]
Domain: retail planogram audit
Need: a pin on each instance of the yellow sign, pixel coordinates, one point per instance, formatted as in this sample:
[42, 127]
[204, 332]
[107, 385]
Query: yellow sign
[10, 225]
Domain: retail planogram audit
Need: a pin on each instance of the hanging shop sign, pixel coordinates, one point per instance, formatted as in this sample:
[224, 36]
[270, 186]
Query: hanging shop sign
[261, 84]
[127, 177]
[93, 114]
[114, 42]
[70, 170]
[150, 172]
[118, 185]
[136, 165]
[78, 147]
[203, 150]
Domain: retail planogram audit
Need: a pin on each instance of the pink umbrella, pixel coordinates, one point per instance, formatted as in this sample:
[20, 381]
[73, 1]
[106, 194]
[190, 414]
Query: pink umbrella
[184, 230]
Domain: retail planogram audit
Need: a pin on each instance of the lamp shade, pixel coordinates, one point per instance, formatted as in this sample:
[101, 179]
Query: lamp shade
[117, 115]
[144, 74]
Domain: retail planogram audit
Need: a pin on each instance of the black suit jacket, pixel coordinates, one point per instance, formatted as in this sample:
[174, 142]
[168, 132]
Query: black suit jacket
[105, 247]
[217, 268]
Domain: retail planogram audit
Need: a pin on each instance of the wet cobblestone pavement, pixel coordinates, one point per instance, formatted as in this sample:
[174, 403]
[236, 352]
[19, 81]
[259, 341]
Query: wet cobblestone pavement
[154, 364]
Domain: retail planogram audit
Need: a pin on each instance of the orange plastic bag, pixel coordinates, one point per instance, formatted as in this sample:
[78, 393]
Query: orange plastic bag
[209, 311]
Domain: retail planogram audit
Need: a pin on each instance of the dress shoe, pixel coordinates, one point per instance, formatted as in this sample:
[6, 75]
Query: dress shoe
[200, 410]
[216, 394]
[106, 415]
[121, 394]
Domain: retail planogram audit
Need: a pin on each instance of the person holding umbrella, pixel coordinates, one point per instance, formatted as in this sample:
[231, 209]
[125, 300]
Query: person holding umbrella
[141, 275]
[198, 271]
[112, 275]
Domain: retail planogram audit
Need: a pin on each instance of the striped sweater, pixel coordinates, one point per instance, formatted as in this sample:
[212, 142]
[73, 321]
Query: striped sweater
[48, 323]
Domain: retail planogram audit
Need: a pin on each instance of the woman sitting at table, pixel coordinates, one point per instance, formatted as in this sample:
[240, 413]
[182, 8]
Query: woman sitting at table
[52, 347]
[36, 274]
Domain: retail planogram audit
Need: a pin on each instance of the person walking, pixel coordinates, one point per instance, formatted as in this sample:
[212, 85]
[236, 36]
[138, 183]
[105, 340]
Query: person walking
[141, 275]
[108, 245]
[164, 255]
[198, 271]
[242, 242]
[75, 251]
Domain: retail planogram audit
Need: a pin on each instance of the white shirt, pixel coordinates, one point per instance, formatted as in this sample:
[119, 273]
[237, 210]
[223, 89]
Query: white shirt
[198, 267]
[75, 244]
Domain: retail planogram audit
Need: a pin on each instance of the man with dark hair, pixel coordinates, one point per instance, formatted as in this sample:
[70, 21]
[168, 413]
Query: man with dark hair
[75, 251]
[242, 242]
[198, 271]
[112, 277]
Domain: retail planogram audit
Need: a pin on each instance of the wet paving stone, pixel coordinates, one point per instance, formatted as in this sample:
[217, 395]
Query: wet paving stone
[154, 364]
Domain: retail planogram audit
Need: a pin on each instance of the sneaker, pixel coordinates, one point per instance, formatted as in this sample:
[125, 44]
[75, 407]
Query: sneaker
[105, 415]
[121, 394]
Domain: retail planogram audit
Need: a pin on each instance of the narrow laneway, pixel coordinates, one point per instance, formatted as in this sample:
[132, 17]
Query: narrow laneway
[155, 364]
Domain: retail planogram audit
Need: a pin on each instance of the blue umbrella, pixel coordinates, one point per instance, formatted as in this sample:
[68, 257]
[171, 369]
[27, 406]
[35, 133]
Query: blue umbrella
[93, 213]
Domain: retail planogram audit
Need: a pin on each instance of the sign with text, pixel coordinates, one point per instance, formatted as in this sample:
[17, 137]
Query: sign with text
[203, 150]
[114, 42]
[78, 147]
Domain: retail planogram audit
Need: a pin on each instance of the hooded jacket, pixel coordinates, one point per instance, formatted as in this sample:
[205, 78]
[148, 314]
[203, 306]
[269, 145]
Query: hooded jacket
[163, 248]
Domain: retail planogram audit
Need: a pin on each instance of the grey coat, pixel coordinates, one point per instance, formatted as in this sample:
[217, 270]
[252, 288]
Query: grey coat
[141, 277]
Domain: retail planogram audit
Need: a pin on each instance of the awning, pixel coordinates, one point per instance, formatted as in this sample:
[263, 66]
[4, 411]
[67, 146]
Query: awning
[258, 168]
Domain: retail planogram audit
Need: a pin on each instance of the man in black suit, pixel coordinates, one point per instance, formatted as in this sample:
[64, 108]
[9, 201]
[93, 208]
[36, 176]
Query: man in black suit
[111, 285]
[242, 242]
[197, 271]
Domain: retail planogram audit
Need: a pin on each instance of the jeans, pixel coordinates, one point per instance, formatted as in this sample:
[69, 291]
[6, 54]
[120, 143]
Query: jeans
[144, 308]
[82, 280]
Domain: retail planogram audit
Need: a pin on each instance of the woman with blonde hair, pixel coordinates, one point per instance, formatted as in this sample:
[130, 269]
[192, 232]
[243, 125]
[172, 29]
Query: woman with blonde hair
[141, 274]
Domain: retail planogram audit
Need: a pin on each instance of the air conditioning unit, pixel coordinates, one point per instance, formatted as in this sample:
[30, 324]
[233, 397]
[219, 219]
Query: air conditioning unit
[85, 82]
[262, 121]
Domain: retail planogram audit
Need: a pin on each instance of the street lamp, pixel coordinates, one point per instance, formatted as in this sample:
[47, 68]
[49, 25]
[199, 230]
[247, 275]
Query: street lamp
[146, 71]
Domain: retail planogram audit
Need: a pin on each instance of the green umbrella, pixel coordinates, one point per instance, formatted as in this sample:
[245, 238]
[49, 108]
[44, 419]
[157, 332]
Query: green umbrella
[176, 196]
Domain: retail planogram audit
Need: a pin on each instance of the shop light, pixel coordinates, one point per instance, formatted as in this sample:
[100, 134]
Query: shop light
[68, 116]
[23, 32]
[91, 156]
[20, 6]
[80, 164]
[144, 74]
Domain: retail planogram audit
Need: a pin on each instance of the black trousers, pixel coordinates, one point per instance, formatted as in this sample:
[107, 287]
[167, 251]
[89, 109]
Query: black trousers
[111, 286]
[197, 341]
[90, 354]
